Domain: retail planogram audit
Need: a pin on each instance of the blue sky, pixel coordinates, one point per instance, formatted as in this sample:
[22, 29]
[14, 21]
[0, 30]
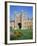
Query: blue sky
[27, 9]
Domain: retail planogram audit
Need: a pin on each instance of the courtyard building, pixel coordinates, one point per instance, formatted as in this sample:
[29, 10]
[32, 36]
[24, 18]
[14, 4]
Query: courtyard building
[21, 21]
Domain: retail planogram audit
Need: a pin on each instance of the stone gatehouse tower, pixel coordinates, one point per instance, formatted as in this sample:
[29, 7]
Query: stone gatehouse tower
[19, 20]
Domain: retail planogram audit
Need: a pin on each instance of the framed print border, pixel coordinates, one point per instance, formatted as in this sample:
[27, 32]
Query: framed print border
[7, 18]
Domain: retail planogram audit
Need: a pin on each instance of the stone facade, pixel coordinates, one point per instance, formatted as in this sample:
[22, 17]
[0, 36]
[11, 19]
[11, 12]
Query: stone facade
[23, 20]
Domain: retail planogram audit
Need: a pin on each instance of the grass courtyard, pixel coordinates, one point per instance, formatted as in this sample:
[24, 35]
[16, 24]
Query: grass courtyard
[20, 34]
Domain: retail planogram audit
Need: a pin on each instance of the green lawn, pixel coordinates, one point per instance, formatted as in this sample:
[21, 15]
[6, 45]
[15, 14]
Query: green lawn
[19, 34]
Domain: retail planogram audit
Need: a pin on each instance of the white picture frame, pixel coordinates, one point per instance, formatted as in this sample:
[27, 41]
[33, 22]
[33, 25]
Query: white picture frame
[7, 22]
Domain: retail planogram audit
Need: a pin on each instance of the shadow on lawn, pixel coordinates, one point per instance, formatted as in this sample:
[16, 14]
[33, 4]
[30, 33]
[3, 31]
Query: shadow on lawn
[19, 34]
